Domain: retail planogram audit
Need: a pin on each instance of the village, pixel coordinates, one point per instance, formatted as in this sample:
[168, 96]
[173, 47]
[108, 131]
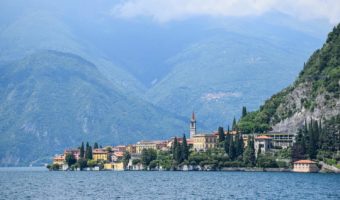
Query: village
[143, 154]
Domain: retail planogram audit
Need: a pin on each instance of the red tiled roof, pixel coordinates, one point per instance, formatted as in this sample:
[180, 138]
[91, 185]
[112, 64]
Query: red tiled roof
[119, 154]
[304, 162]
[264, 137]
[99, 151]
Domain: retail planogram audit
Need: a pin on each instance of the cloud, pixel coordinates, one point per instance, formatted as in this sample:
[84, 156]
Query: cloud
[168, 10]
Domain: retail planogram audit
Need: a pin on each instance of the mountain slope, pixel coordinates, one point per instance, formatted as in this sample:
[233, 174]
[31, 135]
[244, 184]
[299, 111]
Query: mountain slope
[218, 75]
[51, 100]
[314, 95]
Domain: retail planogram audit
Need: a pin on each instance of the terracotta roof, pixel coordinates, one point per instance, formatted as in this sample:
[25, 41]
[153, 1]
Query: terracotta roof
[99, 151]
[304, 162]
[264, 137]
[119, 154]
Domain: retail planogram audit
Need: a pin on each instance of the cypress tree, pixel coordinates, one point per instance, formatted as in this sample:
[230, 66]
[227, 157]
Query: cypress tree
[95, 146]
[239, 148]
[221, 136]
[227, 142]
[244, 111]
[82, 151]
[249, 158]
[234, 124]
[185, 148]
[232, 151]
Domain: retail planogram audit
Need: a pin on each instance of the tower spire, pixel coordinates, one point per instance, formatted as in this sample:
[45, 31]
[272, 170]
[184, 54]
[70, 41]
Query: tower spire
[193, 125]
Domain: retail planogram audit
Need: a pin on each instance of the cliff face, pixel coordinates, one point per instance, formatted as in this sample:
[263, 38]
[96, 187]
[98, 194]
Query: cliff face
[314, 95]
[323, 109]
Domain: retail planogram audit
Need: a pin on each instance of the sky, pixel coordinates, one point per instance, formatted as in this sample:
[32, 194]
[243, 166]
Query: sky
[163, 11]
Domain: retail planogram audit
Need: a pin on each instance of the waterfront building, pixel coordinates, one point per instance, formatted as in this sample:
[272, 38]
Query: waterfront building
[263, 143]
[203, 142]
[156, 145]
[305, 166]
[131, 148]
[59, 159]
[74, 152]
[116, 166]
[281, 139]
[119, 148]
[170, 142]
[100, 154]
[117, 156]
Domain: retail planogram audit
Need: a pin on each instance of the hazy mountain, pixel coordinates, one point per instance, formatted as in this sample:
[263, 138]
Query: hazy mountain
[52, 100]
[219, 75]
[71, 71]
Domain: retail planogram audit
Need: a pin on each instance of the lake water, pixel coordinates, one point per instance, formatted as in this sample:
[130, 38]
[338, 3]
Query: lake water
[36, 183]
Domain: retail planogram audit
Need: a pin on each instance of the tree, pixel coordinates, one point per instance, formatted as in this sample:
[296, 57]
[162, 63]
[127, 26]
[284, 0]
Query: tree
[148, 155]
[88, 152]
[244, 111]
[232, 150]
[82, 163]
[70, 159]
[249, 158]
[221, 136]
[238, 145]
[227, 141]
[185, 148]
[126, 158]
[176, 151]
[82, 151]
[95, 146]
[234, 124]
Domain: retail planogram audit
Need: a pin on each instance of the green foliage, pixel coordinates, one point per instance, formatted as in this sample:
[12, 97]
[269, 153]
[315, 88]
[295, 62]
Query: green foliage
[185, 149]
[315, 140]
[126, 158]
[91, 163]
[88, 152]
[148, 155]
[95, 146]
[266, 161]
[284, 153]
[249, 154]
[136, 161]
[70, 159]
[221, 136]
[82, 163]
[82, 150]
[244, 111]
[322, 71]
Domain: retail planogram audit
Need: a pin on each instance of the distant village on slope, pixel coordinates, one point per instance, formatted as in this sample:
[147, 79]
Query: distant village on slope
[227, 150]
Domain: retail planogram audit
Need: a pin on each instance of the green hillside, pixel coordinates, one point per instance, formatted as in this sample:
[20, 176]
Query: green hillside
[315, 93]
[52, 100]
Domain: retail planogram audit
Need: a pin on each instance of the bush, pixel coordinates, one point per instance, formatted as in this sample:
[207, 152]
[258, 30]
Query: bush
[266, 162]
[233, 164]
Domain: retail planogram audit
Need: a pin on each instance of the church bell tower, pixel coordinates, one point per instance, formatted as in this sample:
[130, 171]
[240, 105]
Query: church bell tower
[192, 125]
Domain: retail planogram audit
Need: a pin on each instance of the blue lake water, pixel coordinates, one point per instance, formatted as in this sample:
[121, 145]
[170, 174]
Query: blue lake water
[36, 183]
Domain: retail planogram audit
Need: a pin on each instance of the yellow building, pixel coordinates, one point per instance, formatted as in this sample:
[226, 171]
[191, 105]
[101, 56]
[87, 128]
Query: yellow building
[100, 154]
[203, 142]
[116, 166]
[59, 159]
[149, 145]
[131, 148]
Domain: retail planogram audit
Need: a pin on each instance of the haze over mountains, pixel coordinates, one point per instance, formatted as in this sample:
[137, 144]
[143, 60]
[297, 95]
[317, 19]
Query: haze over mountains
[71, 71]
